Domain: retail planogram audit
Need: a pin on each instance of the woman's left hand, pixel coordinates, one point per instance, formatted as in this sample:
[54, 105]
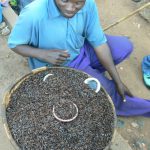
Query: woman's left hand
[123, 90]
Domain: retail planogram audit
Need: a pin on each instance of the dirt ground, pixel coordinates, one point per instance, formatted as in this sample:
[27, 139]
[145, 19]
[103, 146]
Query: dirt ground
[136, 130]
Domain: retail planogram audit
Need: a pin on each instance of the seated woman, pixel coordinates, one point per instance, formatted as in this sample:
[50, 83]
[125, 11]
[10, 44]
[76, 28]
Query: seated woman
[68, 33]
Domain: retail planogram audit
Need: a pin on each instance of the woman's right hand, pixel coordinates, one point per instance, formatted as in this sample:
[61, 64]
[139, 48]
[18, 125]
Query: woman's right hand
[55, 57]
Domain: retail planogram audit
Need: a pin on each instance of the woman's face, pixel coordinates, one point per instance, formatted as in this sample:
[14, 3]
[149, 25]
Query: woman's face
[69, 8]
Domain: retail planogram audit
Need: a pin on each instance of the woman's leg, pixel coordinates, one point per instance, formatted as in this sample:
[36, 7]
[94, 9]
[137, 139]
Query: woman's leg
[120, 48]
[133, 107]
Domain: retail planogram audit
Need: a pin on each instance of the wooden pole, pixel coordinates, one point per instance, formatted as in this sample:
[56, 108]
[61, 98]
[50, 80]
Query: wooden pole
[128, 16]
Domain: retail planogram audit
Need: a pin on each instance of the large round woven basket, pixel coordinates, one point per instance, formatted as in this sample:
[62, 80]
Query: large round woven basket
[55, 119]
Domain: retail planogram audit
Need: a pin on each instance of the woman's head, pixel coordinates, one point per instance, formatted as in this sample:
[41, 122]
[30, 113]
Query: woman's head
[69, 8]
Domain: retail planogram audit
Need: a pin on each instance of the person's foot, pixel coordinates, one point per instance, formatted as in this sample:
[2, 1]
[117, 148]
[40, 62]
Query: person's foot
[136, 1]
[146, 70]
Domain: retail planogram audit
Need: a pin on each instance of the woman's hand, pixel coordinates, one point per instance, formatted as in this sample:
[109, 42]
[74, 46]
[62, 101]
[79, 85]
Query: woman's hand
[55, 57]
[123, 90]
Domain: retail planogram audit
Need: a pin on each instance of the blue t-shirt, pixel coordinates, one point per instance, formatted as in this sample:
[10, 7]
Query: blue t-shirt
[41, 25]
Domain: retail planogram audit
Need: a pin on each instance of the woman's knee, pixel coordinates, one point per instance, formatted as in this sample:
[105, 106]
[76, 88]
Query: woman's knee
[128, 46]
[121, 47]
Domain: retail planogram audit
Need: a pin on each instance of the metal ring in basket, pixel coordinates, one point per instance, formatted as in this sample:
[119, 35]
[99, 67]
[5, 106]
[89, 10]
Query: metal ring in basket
[66, 120]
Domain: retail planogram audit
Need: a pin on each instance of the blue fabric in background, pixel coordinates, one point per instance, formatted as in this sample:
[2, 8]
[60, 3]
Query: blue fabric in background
[146, 65]
[1, 18]
[23, 3]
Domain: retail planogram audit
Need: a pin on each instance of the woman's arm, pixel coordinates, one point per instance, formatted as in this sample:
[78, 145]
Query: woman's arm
[55, 57]
[105, 57]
